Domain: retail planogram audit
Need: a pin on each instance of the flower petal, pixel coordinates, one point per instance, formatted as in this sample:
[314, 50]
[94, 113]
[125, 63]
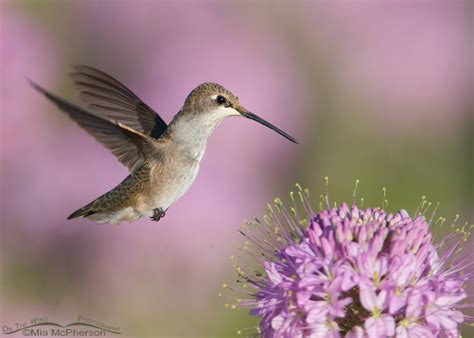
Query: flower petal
[272, 273]
[356, 332]
[367, 296]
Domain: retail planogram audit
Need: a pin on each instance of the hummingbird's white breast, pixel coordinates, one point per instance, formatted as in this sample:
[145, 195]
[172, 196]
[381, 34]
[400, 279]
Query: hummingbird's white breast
[178, 167]
[172, 184]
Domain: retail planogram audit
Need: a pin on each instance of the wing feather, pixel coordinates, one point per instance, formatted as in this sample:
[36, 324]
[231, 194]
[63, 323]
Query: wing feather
[128, 145]
[106, 96]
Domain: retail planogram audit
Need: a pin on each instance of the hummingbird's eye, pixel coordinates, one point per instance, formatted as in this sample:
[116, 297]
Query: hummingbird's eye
[220, 99]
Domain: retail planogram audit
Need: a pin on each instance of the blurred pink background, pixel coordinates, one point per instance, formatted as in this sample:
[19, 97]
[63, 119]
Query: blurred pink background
[375, 91]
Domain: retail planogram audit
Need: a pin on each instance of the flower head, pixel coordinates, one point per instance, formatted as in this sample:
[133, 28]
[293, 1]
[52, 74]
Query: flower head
[348, 271]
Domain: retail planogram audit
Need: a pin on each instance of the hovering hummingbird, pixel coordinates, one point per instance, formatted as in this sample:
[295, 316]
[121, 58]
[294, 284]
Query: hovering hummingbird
[163, 159]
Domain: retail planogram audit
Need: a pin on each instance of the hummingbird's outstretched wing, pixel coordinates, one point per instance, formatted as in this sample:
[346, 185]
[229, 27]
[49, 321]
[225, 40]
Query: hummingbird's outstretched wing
[129, 145]
[106, 96]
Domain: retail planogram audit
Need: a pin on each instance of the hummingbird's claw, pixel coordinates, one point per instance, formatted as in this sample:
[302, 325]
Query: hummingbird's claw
[158, 214]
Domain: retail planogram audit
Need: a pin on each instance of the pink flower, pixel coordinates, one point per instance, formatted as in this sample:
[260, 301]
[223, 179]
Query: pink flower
[354, 273]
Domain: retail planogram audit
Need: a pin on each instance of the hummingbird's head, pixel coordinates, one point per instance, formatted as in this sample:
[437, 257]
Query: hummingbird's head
[214, 102]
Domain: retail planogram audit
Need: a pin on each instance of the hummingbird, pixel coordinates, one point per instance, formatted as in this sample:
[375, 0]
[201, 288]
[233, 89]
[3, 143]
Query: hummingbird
[163, 160]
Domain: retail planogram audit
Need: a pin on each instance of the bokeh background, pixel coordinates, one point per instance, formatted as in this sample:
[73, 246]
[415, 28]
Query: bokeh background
[376, 91]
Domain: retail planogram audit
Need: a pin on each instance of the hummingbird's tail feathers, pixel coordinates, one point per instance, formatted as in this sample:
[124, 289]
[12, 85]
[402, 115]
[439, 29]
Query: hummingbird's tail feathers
[128, 145]
[111, 216]
[86, 211]
[82, 212]
[108, 97]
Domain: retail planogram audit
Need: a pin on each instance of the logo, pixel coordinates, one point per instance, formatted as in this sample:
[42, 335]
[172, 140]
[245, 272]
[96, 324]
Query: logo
[43, 327]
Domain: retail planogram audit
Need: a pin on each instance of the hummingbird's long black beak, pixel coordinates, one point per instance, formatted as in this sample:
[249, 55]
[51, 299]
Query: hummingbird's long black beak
[254, 117]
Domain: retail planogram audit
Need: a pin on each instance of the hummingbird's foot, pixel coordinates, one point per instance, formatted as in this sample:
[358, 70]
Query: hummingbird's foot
[158, 214]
